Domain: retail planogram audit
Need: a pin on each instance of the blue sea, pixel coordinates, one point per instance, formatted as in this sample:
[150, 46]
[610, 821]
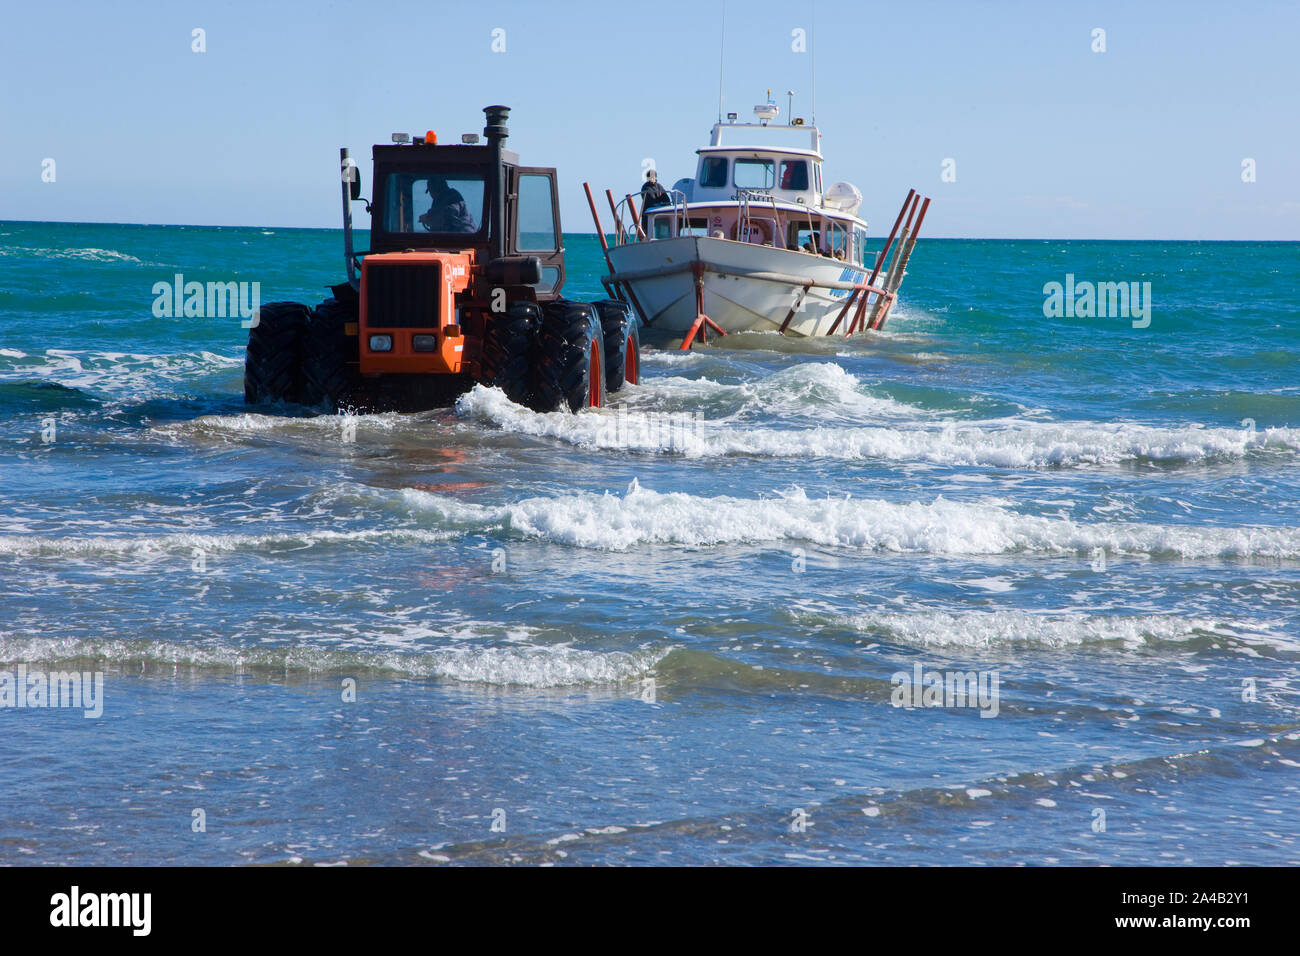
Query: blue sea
[723, 621]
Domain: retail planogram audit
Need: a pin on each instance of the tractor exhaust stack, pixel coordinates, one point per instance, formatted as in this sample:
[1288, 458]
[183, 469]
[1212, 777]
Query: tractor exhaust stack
[495, 132]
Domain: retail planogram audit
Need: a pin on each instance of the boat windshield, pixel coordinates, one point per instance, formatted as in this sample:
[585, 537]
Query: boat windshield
[755, 174]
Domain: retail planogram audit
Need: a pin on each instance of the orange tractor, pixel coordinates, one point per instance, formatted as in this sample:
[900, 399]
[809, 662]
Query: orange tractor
[461, 285]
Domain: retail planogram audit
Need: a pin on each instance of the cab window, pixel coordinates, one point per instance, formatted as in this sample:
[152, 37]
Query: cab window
[550, 276]
[443, 203]
[536, 214]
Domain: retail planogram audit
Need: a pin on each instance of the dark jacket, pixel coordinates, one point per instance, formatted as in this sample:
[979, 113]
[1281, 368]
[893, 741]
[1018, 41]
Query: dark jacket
[449, 213]
[652, 194]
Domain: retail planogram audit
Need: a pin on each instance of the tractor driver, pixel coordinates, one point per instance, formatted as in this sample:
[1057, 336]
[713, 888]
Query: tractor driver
[448, 211]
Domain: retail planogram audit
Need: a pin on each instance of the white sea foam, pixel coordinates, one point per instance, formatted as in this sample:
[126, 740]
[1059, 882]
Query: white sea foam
[145, 544]
[1002, 443]
[1059, 629]
[534, 666]
[248, 423]
[642, 516]
[84, 255]
[671, 357]
[818, 389]
[119, 372]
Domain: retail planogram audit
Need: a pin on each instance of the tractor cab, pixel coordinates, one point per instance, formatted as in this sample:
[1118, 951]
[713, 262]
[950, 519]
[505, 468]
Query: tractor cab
[431, 197]
[452, 227]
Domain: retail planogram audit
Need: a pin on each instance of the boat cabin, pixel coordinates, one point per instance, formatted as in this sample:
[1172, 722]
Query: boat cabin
[762, 184]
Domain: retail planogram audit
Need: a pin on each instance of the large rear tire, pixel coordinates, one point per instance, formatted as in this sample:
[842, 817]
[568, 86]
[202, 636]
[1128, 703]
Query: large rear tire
[569, 370]
[508, 345]
[327, 351]
[273, 362]
[622, 332]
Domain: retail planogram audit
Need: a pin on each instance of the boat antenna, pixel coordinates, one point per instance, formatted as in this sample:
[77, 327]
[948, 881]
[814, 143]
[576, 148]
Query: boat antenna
[722, 47]
[812, 55]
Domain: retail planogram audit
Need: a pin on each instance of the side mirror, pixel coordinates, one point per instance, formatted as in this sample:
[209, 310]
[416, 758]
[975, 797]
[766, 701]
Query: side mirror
[354, 186]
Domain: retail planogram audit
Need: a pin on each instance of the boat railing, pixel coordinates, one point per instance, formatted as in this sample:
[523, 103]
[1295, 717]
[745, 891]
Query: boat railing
[827, 235]
[748, 199]
[681, 211]
[630, 223]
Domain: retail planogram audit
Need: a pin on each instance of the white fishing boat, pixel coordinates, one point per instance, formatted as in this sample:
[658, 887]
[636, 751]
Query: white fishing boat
[755, 242]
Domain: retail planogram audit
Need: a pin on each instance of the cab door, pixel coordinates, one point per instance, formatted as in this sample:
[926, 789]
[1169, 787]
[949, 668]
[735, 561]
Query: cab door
[535, 225]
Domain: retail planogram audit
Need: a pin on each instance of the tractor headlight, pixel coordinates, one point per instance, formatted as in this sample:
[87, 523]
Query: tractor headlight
[424, 343]
[381, 343]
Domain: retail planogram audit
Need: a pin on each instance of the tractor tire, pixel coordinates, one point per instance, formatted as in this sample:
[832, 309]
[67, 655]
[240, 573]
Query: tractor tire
[508, 345]
[327, 351]
[622, 332]
[273, 362]
[569, 363]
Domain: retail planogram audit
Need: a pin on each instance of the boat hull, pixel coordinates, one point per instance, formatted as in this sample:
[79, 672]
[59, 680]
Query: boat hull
[747, 287]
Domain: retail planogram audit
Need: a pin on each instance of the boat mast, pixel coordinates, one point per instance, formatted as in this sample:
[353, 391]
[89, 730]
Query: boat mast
[722, 47]
[812, 54]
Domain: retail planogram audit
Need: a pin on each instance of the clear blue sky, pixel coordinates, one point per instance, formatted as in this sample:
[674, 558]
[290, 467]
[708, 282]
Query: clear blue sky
[1049, 138]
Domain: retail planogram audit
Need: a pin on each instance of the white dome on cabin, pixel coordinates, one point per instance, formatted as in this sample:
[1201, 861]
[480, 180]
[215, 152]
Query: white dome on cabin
[845, 197]
[686, 187]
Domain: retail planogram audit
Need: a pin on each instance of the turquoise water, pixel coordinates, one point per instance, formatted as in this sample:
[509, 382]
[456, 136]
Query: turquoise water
[668, 631]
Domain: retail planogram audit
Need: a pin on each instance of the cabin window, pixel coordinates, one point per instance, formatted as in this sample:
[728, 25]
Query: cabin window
[443, 203]
[794, 174]
[804, 238]
[860, 246]
[536, 215]
[663, 227]
[713, 172]
[837, 240]
[755, 174]
[817, 170]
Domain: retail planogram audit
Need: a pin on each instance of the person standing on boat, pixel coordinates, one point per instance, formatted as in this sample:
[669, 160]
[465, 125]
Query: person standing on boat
[652, 194]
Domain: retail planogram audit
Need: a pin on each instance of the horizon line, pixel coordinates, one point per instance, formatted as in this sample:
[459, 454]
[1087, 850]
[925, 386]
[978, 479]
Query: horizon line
[200, 225]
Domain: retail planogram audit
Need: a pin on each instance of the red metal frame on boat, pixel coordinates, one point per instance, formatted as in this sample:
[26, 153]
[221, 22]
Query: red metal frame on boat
[702, 321]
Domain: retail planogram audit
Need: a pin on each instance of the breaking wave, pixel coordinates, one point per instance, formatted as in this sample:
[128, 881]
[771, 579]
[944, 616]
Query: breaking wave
[129, 373]
[1058, 629]
[536, 667]
[999, 443]
[642, 516]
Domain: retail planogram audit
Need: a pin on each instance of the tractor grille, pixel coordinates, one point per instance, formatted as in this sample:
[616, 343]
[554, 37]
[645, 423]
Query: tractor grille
[403, 296]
